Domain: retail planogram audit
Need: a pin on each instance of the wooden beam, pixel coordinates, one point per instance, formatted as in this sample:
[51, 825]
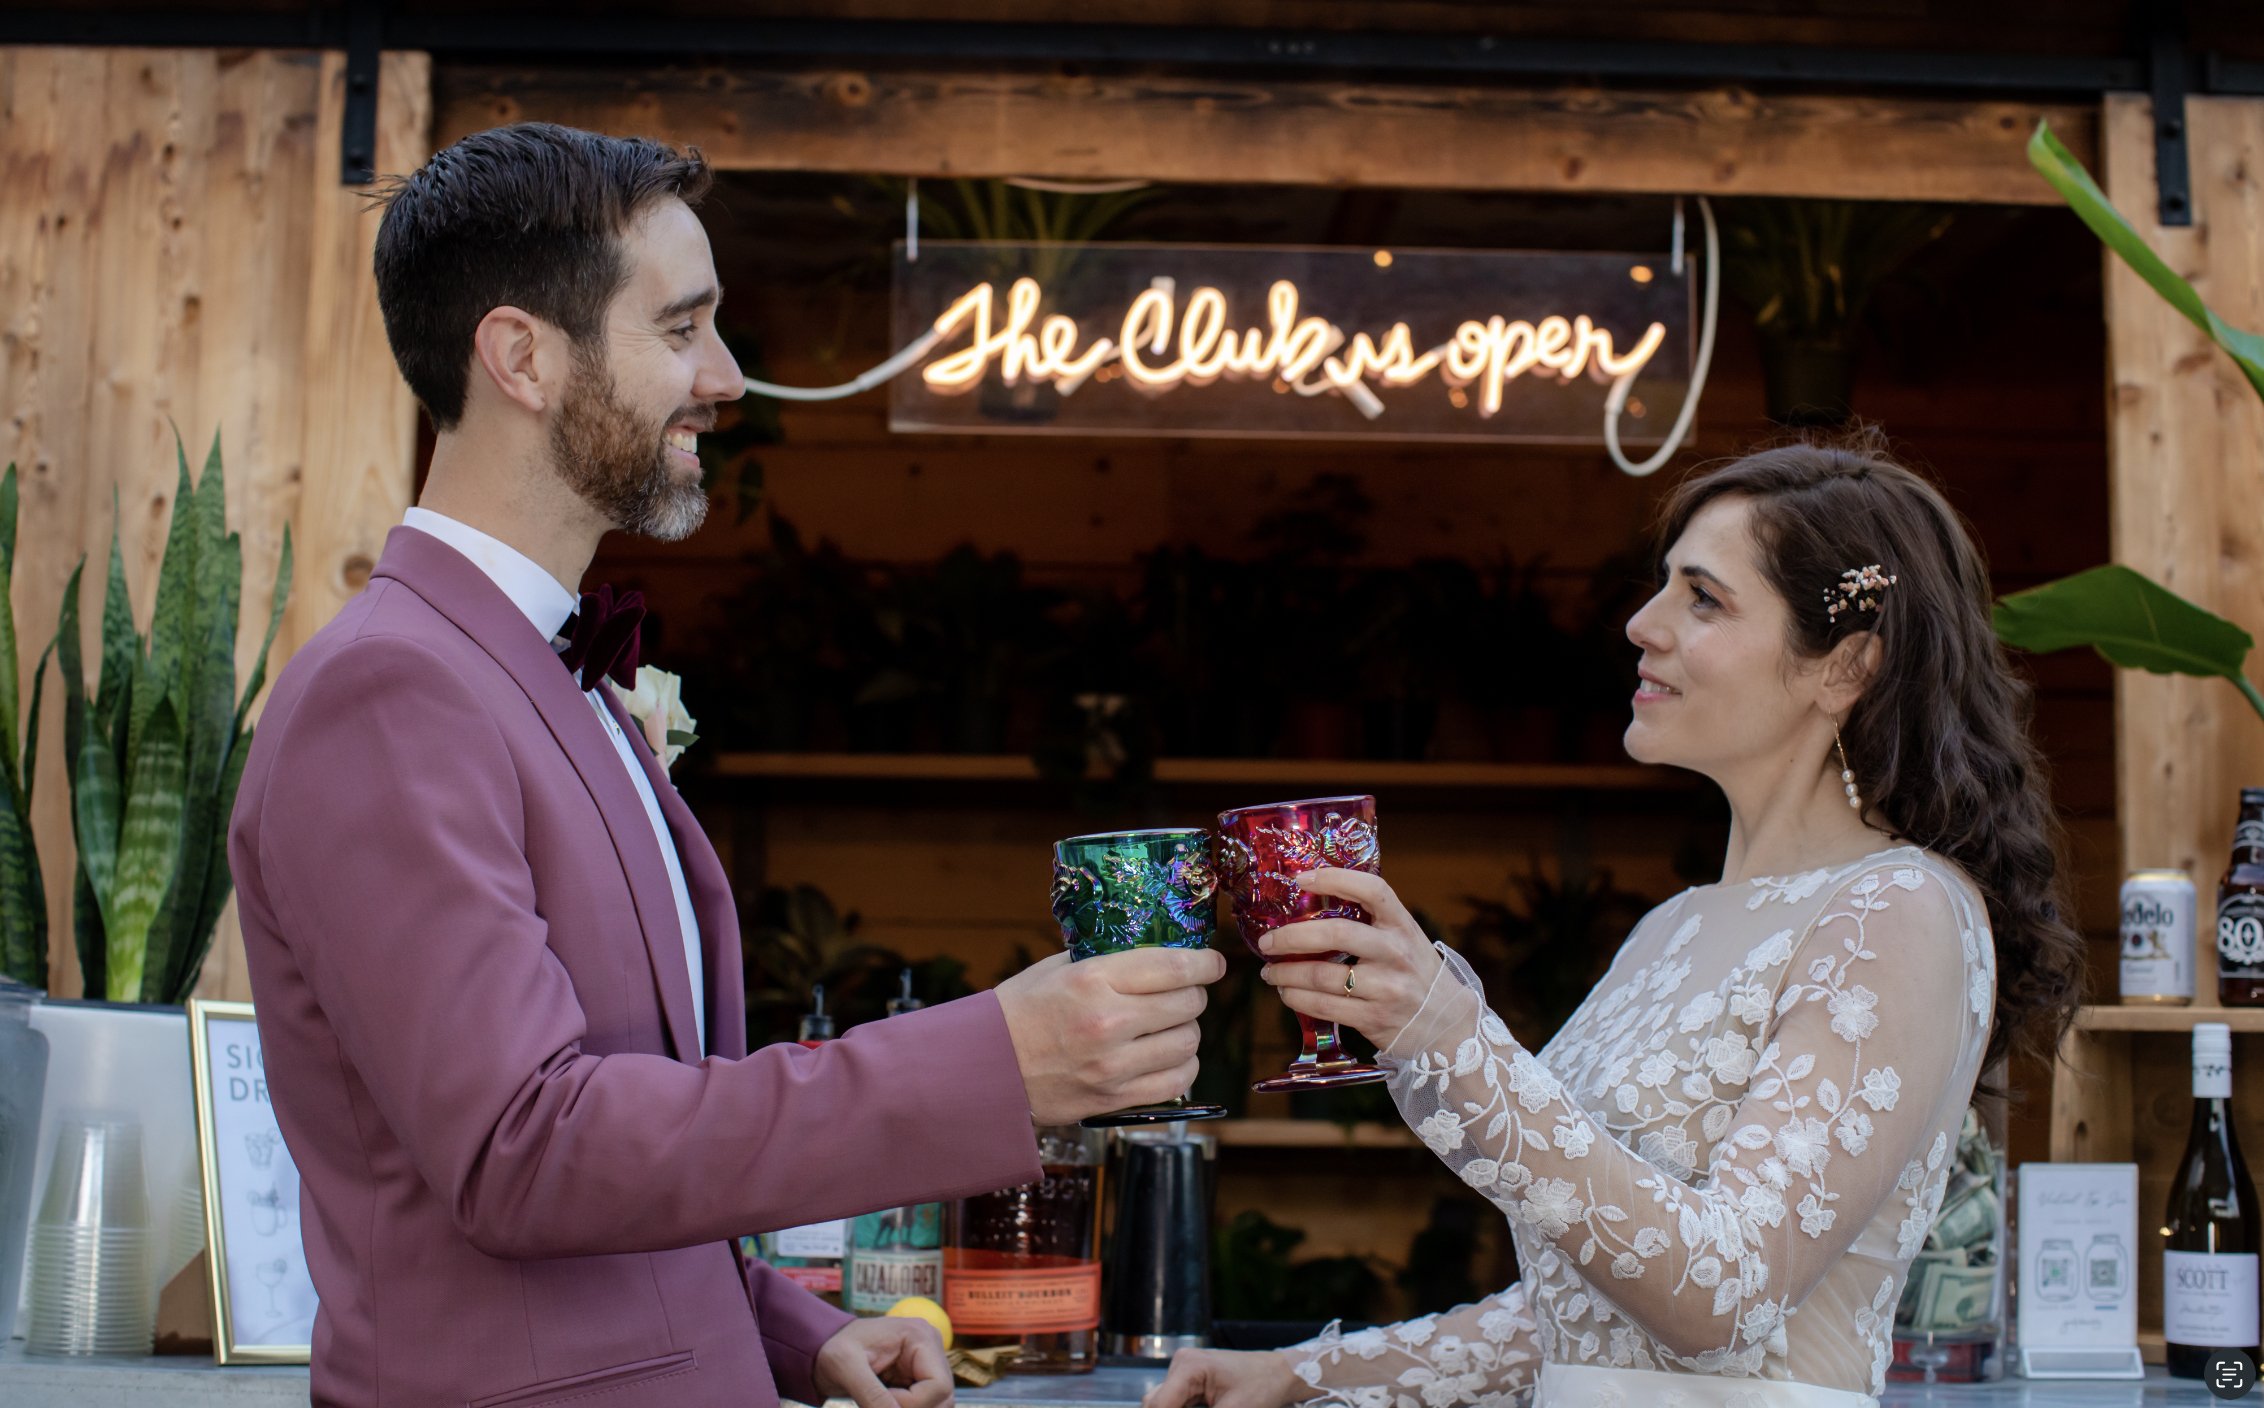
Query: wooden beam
[1167, 128]
[2186, 474]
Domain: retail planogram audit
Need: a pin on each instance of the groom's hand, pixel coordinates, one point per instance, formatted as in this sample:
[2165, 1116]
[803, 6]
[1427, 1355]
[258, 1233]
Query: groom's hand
[887, 1363]
[1112, 1031]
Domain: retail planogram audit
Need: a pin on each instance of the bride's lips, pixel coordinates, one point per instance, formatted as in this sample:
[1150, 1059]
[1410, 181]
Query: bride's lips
[1650, 689]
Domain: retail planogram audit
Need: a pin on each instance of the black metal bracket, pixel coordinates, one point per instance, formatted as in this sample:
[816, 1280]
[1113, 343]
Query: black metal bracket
[357, 137]
[2168, 73]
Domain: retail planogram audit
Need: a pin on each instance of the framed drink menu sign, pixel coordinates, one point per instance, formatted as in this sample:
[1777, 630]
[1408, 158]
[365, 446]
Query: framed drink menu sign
[2078, 1282]
[263, 1300]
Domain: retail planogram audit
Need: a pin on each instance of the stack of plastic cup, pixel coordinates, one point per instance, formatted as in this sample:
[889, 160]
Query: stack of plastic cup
[90, 1243]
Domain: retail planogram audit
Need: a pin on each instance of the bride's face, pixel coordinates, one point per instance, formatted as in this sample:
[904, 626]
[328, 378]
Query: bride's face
[1717, 686]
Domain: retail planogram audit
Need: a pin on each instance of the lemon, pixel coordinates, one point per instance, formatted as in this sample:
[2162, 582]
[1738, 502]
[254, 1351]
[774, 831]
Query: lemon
[921, 1308]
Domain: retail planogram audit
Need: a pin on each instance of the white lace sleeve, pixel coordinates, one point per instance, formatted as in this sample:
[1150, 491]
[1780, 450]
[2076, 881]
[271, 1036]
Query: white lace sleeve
[1480, 1354]
[1814, 1127]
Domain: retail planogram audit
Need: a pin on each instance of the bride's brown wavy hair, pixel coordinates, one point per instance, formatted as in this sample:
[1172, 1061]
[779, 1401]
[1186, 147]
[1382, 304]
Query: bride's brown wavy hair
[1939, 739]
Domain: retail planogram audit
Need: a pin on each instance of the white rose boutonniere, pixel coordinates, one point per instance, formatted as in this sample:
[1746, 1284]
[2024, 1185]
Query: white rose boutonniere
[657, 704]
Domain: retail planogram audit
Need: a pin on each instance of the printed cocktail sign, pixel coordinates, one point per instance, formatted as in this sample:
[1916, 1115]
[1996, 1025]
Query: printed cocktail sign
[263, 1299]
[2078, 1281]
[1184, 340]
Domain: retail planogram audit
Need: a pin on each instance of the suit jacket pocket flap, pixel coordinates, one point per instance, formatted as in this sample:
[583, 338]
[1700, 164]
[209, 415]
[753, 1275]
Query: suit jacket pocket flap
[595, 1381]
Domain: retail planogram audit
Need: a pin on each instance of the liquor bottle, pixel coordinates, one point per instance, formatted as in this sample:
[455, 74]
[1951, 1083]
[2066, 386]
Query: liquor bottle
[811, 1256]
[899, 1252]
[1022, 1266]
[2209, 1265]
[2240, 909]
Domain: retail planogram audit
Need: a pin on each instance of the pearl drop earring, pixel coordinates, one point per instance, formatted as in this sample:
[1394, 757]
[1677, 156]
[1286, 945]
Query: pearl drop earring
[1846, 773]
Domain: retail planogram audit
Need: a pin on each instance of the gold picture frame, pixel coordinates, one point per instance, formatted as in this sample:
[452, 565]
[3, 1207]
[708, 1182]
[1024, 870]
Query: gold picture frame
[250, 1197]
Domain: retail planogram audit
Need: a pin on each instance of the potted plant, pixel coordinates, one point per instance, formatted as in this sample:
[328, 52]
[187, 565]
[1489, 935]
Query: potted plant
[1807, 269]
[158, 749]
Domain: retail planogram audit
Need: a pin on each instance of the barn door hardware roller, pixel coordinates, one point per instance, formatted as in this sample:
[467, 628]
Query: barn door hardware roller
[357, 137]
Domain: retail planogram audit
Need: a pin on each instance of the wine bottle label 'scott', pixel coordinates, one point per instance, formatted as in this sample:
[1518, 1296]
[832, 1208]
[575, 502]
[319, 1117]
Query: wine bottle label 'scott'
[2240, 935]
[2209, 1299]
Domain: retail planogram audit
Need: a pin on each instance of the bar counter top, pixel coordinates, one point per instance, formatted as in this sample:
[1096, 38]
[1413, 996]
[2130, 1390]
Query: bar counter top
[187, 1382]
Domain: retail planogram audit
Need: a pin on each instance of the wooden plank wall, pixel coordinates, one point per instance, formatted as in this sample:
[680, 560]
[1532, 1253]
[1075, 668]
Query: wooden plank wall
[1723, 141]
[2186, 456]
[175, 249]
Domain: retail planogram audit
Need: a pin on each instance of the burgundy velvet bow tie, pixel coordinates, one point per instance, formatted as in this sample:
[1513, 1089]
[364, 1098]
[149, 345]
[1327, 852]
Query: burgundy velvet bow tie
[601, 638]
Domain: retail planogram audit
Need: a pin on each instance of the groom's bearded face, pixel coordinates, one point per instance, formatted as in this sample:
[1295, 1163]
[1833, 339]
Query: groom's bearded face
[617, 457]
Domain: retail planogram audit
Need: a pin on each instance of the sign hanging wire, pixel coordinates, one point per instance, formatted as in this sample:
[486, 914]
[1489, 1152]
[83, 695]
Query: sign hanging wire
[1616, 402]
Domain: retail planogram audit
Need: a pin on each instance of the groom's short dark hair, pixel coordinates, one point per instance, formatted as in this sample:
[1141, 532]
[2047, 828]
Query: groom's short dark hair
[529, 215]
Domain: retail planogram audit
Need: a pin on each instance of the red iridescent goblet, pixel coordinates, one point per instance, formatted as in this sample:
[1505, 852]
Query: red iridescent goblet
[1260, 852]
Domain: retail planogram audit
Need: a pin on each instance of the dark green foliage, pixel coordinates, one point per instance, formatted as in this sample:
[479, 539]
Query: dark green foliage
[1253, 1278]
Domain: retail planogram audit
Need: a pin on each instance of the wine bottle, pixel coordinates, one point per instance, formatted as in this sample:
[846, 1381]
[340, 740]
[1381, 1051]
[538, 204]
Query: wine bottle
[812, 1256]
[2209, 1261]
[899, 1252]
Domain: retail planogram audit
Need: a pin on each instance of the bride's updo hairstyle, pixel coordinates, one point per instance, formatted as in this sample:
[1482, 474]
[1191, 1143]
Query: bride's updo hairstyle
[1939, 740]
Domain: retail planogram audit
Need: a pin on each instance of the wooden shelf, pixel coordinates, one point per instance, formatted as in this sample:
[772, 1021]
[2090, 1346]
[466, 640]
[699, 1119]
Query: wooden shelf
[2166, 1019]
[1311, 1134]
[1291, 773]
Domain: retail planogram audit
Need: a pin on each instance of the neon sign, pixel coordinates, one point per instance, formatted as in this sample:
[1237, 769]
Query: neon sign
[1170, 340]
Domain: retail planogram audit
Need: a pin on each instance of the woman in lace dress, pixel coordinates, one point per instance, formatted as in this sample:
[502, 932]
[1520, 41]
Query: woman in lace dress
[1717, 1173]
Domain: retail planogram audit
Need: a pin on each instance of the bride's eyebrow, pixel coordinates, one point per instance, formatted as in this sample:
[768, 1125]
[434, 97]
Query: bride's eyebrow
[1699, 574]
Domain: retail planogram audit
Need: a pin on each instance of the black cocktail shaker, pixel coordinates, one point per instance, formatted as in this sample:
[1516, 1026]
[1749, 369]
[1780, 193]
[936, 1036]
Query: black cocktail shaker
[1159, 1265]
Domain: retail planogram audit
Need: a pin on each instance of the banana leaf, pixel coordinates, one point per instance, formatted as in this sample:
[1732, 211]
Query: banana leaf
[2131, 621]
[2067, 176]
[148, 842]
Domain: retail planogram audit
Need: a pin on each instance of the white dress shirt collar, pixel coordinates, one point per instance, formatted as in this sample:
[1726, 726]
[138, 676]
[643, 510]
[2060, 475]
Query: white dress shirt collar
[538, 595]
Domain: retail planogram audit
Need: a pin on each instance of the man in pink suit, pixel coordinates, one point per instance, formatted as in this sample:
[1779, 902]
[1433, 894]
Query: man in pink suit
[496, 962]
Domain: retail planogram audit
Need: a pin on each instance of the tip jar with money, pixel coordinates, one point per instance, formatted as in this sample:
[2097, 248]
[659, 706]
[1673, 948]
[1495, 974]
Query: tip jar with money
[1950, 1323]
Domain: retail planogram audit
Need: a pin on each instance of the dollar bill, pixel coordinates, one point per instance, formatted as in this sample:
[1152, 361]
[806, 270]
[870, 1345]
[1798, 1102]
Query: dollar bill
[1969, 1214]
[1957, 1298]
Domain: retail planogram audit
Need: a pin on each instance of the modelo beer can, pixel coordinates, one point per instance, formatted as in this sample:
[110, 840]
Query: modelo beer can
[2157, 937]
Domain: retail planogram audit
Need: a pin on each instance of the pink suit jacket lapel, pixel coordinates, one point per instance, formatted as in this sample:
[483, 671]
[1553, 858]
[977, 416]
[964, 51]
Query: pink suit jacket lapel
[710, 892]
[461, 592]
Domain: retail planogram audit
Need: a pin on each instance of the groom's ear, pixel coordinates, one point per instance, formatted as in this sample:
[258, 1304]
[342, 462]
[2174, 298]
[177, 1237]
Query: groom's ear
[519, 357]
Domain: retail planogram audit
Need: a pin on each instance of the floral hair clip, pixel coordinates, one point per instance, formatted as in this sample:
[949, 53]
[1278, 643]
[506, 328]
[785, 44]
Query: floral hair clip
[1859, 588]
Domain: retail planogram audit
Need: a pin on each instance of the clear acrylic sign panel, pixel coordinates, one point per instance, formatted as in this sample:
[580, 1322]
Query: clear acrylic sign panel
[1192, 340]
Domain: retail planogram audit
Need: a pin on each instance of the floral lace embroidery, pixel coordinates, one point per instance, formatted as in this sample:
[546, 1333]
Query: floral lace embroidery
[1715, 1133]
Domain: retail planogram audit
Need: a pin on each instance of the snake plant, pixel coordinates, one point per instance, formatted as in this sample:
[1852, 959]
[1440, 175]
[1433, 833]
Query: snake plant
[23, 897]
[158, 751]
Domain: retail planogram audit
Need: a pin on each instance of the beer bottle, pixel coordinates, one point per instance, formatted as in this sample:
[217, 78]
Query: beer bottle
[2240, 909]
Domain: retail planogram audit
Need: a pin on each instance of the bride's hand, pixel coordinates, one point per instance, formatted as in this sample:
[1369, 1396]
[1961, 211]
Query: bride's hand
[1393, 963]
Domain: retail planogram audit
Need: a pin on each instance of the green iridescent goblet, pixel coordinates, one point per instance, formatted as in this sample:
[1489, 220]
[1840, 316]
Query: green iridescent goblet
[1115, 891]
